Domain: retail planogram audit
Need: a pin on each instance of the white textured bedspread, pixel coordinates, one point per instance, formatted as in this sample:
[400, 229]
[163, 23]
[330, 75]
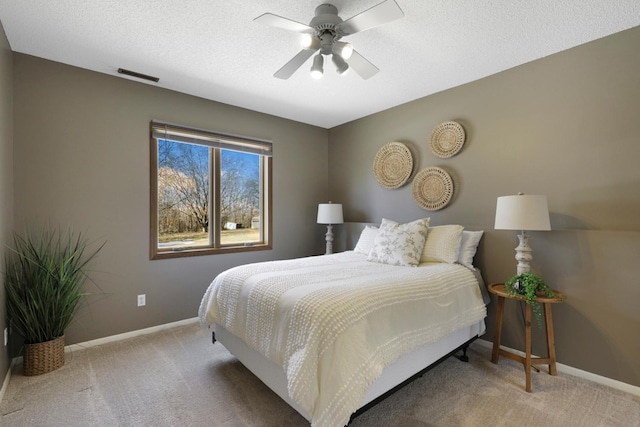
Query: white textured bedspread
[334, 322]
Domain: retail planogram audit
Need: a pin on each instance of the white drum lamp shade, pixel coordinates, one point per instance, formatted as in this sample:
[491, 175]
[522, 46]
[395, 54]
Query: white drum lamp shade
[329, 213]
[525, 213]
[522, 212]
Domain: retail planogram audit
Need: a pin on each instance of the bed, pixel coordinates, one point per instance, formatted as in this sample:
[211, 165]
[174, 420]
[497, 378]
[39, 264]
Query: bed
[331, 334]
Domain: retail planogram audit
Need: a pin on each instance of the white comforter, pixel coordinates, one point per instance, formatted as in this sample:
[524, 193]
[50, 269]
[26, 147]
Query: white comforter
[335, 322]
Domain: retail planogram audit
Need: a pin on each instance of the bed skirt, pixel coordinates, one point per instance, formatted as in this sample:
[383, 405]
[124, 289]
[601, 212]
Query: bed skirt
[404, 368]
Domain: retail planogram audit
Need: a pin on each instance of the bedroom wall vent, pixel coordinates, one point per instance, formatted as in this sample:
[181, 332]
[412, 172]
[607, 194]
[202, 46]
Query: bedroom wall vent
[138, 75]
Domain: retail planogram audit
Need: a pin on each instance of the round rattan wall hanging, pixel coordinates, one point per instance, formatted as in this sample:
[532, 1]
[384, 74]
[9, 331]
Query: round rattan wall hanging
[447, 139]
[392, 165]
[432, 188]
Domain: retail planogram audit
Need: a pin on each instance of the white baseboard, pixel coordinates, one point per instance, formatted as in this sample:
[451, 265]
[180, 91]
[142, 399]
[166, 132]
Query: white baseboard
[127, 335]
[7, 377]
[618, 385]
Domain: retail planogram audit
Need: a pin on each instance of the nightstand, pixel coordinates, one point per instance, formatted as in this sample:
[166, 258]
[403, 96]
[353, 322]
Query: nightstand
[528, 361]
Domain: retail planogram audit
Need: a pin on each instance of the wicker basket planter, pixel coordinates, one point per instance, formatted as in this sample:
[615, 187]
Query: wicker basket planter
[43, 357]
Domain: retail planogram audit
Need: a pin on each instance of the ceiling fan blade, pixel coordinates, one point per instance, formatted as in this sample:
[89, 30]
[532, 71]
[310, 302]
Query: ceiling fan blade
[360, 65]
[296, 62]
[280, 22]
[379, 14]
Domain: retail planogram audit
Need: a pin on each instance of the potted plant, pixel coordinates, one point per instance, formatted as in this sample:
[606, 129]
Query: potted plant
[45, 276]
[530, 286]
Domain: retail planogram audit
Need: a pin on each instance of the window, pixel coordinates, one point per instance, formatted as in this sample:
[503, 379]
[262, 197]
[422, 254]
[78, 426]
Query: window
[210, 193]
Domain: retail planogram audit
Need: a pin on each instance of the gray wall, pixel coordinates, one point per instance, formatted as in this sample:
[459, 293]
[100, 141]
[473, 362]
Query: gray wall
[566, 126]
[6, 177]
[82, 159]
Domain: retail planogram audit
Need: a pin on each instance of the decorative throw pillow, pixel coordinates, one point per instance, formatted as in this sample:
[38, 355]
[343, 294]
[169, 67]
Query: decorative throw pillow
[366, 240]
[443, 244]
[399, 244]
[468, 247]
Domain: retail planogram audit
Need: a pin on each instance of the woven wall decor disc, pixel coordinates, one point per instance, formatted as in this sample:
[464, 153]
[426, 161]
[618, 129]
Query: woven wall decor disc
[432, 188]
[447, 139]
[392, 165]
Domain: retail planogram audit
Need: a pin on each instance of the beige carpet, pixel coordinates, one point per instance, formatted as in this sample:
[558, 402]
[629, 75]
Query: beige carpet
[177, 378]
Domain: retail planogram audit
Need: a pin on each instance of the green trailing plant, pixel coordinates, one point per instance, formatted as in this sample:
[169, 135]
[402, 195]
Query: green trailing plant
[530, 286]
[45, 277]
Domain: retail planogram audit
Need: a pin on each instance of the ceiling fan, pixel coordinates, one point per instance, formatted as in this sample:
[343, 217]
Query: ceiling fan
[323, 35]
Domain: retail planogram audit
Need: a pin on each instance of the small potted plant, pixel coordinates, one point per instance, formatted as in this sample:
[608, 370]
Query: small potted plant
[45, 275]
[530, 286]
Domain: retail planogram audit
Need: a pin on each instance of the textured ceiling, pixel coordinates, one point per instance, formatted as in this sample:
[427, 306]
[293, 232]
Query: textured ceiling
[213, 49]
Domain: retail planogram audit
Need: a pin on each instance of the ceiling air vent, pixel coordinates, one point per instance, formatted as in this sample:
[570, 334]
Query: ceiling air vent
[138, 75]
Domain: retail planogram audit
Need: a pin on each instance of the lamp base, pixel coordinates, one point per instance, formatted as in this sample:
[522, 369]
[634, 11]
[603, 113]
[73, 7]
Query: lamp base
[329, 239]
[523, 254]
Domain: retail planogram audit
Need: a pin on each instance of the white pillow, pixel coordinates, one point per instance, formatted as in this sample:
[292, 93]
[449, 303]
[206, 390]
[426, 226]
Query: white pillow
[366, 240]
[443, 244]
[468, 247]
[399, 244]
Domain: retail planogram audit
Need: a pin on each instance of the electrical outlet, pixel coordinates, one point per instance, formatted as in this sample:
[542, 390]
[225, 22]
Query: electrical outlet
[142, 300]
[6, 336]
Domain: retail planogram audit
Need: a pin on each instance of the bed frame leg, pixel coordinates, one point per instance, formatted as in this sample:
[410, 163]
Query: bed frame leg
[464, 356]
[213, 337]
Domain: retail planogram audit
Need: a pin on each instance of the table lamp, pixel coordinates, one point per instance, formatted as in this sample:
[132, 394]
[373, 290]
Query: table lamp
[329, 213]
[524, 213]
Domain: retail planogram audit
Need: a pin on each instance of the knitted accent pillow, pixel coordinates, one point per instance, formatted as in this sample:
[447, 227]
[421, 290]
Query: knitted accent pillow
[399, 244]
[443, 244]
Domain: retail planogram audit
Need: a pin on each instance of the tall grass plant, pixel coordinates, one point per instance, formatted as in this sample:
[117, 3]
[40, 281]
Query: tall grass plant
[45, 278]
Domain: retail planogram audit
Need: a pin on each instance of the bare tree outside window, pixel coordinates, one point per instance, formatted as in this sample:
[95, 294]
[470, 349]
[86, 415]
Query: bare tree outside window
[183, 188]
[239, 196]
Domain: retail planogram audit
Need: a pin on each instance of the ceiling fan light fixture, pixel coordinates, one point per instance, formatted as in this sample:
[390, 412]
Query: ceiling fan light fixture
[344, 49]
[341, 65]
[310, 41]
[328, 28]
[317, 67]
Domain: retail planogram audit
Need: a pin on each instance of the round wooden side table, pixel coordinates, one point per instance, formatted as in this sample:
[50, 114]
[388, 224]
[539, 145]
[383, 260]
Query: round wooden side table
[528, 361]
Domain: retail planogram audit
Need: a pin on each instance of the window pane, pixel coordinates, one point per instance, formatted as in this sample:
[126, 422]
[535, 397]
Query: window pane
[240, 201]
[183, 195]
